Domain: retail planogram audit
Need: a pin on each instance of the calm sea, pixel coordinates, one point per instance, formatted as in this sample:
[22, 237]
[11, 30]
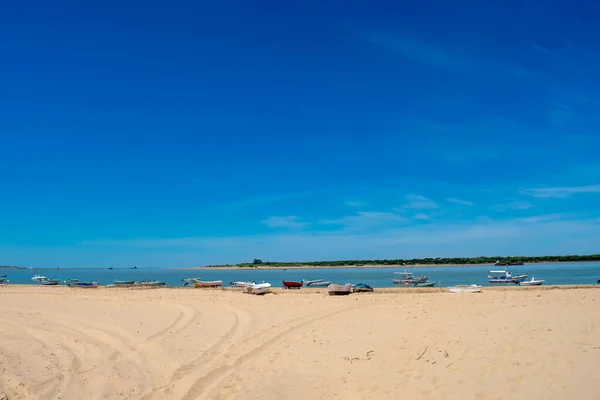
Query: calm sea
[553, 274]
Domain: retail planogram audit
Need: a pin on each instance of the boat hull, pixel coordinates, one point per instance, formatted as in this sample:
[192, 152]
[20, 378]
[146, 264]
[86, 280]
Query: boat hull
[207, 284]
[124, 283]
[258, 289]
[319, 284]
[465, 289]
[531, 283]
[292, 285]
[83, 285]
[424, 284]
[339, 290]
[49, 282]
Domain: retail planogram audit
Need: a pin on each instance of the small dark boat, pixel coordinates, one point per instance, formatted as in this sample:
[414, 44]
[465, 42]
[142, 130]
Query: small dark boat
[292, 285]
[362, 287]
[110, 268]
[84, 285]
[134, 268]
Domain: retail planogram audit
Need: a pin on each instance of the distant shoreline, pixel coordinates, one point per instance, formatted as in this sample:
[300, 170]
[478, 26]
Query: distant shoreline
[301, 267]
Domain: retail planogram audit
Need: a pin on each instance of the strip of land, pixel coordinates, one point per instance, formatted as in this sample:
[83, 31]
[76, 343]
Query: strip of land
[109, 343]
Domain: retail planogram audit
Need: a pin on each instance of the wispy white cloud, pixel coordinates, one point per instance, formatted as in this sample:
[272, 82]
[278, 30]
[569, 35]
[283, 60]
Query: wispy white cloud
[541, 49]
[415, 50]
[461, 202]
[561, 192]
[290, 221]
[366, 219]
[422, 217]
[355, 203]
[513, 205]
[547, 217]
[415, 201]
[484, 237]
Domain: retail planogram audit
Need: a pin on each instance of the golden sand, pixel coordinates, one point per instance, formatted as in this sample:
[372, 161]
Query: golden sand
[112, 343]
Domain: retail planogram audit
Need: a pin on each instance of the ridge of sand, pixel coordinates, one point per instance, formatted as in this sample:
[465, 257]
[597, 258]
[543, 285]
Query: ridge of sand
[220, 344]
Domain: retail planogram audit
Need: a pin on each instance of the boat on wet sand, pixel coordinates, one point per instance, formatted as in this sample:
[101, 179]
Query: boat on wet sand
[531, 282]
[207, 284]
[362, 287]
[83, 285]
[319, 284]
[241, 284]
[151, 283]
[292, 284]
[258, 288]
[124, 283]
[339, 290]
[465, 289]
[49, 282]
[423, 284]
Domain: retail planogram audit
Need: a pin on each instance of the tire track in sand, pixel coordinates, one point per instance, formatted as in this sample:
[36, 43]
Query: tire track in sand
[183, 320]
[224, 363]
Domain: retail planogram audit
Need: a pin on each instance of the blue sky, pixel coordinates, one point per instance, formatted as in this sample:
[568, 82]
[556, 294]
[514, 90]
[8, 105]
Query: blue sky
[192, 133]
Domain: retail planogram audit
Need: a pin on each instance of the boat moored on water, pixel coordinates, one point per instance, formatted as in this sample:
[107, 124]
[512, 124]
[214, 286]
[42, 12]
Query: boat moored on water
[336, 289]
[207, 284]
[531, 282]
[407, 277]
[38, 277]
[258, 288]
[465, 289]
[423, 284]
[505, 276]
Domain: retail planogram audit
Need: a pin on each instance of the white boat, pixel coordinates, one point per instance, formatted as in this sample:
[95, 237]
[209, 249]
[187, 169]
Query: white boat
[258, 288]
[339, 290]
[311, 282]
[531, 282]
[319, 284]
[207, 284]
[465, 289]
[241, 284]
[151, 283]
[38, 278]
[407, 277]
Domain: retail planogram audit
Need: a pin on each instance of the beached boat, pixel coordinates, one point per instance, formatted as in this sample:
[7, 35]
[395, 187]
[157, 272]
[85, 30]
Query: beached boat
[83, 285]
[465, 289]
[151, 283]
[2, 279]
[49, 282]
[319, 284]
[423, 284]
[188, 281]
[362, 287]
[124, 283]
[207, 284]
[292, 284]
[38, 278]
[531, 282]
[258, 288]
[407, 277]
[505, 276]
[241, 284]
[339, 290]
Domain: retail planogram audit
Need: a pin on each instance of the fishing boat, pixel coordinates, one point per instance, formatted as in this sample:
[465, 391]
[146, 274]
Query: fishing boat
[83, 285]
[311, 282]
[241, 284]
[407, 277]
[531, 282]
[505, 276]
[71, 280]
[207, 284]
[49, 282]
[465, 289]
[151, 283]
[423, 284]
[292, 284]
[124, 283]
[38, 278]
[319, 284]
[362, 287]
[339, 290]
[258, 288]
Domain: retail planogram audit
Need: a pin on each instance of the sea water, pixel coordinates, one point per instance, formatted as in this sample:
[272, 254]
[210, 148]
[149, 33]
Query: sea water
[553, 274]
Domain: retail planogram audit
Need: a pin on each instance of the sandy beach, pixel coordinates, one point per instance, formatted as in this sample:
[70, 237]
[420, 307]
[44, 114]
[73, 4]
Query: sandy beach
[110, 343]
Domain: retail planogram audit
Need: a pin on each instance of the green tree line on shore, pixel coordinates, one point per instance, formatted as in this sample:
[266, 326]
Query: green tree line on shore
[429, 261]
